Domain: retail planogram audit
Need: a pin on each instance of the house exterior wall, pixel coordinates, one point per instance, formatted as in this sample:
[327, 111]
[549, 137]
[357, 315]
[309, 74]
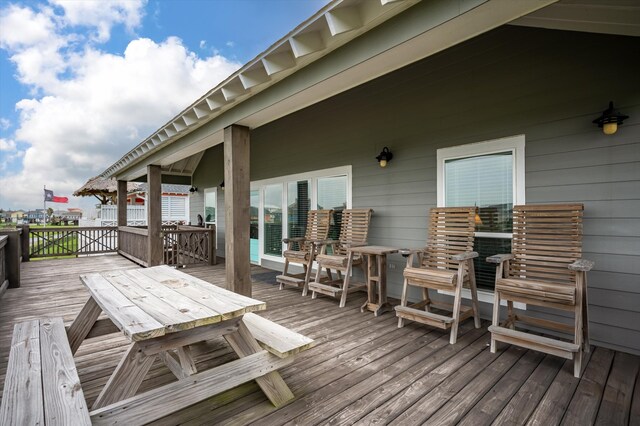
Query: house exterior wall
[547, 85]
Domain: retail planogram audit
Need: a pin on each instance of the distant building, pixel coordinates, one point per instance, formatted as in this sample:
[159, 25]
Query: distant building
[36, 216]
[17, 216]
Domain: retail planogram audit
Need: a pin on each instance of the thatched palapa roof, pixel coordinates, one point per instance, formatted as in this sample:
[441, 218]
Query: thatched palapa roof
[104, 189]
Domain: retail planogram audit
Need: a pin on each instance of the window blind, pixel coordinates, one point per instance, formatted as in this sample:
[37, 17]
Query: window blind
[298, 204]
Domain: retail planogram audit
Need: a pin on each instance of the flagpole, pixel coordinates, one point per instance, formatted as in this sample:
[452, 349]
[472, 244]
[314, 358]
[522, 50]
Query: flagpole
[44, 213]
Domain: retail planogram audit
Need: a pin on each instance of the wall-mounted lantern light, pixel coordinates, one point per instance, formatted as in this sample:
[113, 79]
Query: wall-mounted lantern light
[221, 185]
[610, 120]
[193, 189]
[384, 157]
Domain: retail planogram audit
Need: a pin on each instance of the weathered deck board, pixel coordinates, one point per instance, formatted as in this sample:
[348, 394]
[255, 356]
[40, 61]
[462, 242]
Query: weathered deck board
[370, 372]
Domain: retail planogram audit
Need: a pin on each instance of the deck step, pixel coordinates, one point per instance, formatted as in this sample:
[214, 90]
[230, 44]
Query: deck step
[424, 317]
[532, 341]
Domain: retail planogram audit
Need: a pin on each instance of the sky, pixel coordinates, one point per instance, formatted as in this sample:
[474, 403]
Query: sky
[84, 81]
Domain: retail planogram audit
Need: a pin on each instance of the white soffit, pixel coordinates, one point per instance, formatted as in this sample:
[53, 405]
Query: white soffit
[324, 32]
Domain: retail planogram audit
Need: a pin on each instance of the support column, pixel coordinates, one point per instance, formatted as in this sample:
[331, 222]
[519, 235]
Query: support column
[154, 216]
[236, 202]
[122, 203]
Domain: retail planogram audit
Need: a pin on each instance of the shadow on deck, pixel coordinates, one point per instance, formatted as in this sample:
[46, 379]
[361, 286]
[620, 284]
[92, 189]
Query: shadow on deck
[363, 370]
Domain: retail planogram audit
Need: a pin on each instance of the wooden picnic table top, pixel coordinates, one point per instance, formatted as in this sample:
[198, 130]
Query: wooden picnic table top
[151, 302]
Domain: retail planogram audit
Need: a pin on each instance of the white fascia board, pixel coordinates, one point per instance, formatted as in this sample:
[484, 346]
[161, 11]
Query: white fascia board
[277, 62]
[253, 77]
[306, 43]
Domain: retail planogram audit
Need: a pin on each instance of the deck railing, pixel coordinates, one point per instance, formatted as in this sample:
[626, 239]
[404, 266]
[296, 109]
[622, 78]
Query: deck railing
[4, 282]
[189, 245]
[72, 241]
[132, 243]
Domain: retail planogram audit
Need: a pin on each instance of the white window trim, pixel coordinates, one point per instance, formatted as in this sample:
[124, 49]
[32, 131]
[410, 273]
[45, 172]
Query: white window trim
[515, 144]
[204, 206]
[312, 177]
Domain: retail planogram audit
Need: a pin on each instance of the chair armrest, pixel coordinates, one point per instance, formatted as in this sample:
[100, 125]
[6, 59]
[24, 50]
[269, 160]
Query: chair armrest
[406, 252]
[465, 256]
[293, 240]
[499, 258]
[324, 242]
[582, 265]
[352, 245]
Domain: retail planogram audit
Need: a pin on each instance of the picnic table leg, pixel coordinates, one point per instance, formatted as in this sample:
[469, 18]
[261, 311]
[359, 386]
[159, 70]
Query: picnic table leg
[244, 344]
[127, 377]
[81, 326]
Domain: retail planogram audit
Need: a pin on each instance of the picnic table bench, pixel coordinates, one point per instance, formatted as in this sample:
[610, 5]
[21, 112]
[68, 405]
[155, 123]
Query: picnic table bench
[43, 385]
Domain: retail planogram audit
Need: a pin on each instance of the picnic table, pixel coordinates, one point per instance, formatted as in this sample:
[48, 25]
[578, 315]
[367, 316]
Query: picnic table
[162, 311]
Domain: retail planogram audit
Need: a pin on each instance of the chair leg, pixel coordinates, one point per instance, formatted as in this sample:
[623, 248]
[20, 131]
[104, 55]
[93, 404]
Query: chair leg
[307, 277]
[510, 316]
[577, 364]
[403, 301]
[474, 294]
[585, 315]
[318, 272]
[426, 299]
[496, 317]
[456, 311]
[284, 271]
[345, 285]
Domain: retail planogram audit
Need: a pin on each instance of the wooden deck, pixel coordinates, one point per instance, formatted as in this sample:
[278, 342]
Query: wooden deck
[364, 370]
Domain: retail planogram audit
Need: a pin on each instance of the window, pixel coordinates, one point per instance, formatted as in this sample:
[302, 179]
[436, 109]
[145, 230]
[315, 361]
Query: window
[210, 204]
[489, 175]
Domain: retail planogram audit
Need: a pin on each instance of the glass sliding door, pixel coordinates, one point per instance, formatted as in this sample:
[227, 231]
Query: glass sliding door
[273, 220]
[254, 227]
[210, 204]
[332, 194]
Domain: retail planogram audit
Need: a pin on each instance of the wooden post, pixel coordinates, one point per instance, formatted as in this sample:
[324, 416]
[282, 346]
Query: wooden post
[212, 245]
[24, 242]
[122, 208]
[122, 203]
[154, 216]
[236, 178]
[12, 256]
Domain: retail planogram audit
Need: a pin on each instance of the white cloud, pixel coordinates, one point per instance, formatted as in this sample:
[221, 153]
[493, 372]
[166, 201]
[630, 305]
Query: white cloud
[103, 106]
[5, 123]
[203, 44]
[230, 43]
[7, 145]
[102, 15]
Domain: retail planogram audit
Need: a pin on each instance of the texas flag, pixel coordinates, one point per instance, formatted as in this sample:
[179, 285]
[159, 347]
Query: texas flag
[48, 196]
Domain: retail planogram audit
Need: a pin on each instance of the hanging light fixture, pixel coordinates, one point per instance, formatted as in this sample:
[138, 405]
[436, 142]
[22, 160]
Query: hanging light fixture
[384, 157]
[193, 189]
[610, 120]
[221, 185]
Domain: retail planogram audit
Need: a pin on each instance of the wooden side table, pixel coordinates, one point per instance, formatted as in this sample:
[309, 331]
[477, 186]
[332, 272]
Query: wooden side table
[376, 278]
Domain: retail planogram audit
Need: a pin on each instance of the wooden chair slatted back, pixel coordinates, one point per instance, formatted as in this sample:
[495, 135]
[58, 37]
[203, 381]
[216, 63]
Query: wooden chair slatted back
[451, 231]
[546, 239]
[318, 222]
[354, 229]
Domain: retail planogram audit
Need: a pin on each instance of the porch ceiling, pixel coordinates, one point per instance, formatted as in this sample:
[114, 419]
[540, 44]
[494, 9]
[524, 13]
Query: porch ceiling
[621, 17]
[443, 23]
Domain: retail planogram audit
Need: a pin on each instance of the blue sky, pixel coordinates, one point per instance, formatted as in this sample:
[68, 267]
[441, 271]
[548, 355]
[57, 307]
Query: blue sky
[83, 81]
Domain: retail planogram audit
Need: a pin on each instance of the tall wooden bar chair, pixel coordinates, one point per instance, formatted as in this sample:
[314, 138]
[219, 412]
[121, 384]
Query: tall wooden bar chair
[354, 231]
[544, 269]
[302, 251]
[446, 263]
